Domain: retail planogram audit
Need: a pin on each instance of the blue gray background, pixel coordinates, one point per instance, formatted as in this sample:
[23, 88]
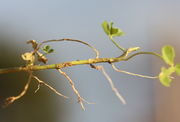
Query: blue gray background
[148, 24]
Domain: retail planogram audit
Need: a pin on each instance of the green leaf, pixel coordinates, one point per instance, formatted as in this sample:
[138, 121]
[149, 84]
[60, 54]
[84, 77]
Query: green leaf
[47, 49]
[110, 30]
[105, 27]
[177, 69]
[116, 32]
[168, 54]
[164, 76]
[51, 51]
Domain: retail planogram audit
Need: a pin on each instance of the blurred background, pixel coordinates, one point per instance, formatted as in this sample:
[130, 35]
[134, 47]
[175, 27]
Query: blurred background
[149, 24]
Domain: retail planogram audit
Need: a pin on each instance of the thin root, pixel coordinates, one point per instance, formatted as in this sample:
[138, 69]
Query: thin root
[129, 73]
[101, 68]
[11, 99]
[80, 99]
[50, 87]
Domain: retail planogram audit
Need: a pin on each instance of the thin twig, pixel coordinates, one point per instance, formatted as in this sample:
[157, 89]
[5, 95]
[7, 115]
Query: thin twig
[73, 40]
[101, 68]
[117, 45]
[50, 87]
[80, 99]
[129, 73]
[142, 53]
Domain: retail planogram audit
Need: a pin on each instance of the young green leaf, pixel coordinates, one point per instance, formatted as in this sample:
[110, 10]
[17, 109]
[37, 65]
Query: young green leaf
[115, 31]
[110, 30]
[168, 54]
[51, 51]
[164, 76]
[47, 49]
[105, 27]
[177, 68]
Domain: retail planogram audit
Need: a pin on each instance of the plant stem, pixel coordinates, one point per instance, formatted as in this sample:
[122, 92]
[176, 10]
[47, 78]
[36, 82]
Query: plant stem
[74, 63]
[140, 53]
[117, 45]
[59, 65]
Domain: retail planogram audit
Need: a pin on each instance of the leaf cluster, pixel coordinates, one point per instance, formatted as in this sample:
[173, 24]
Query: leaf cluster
[168, 55]
[47, 49]
[110, 30]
